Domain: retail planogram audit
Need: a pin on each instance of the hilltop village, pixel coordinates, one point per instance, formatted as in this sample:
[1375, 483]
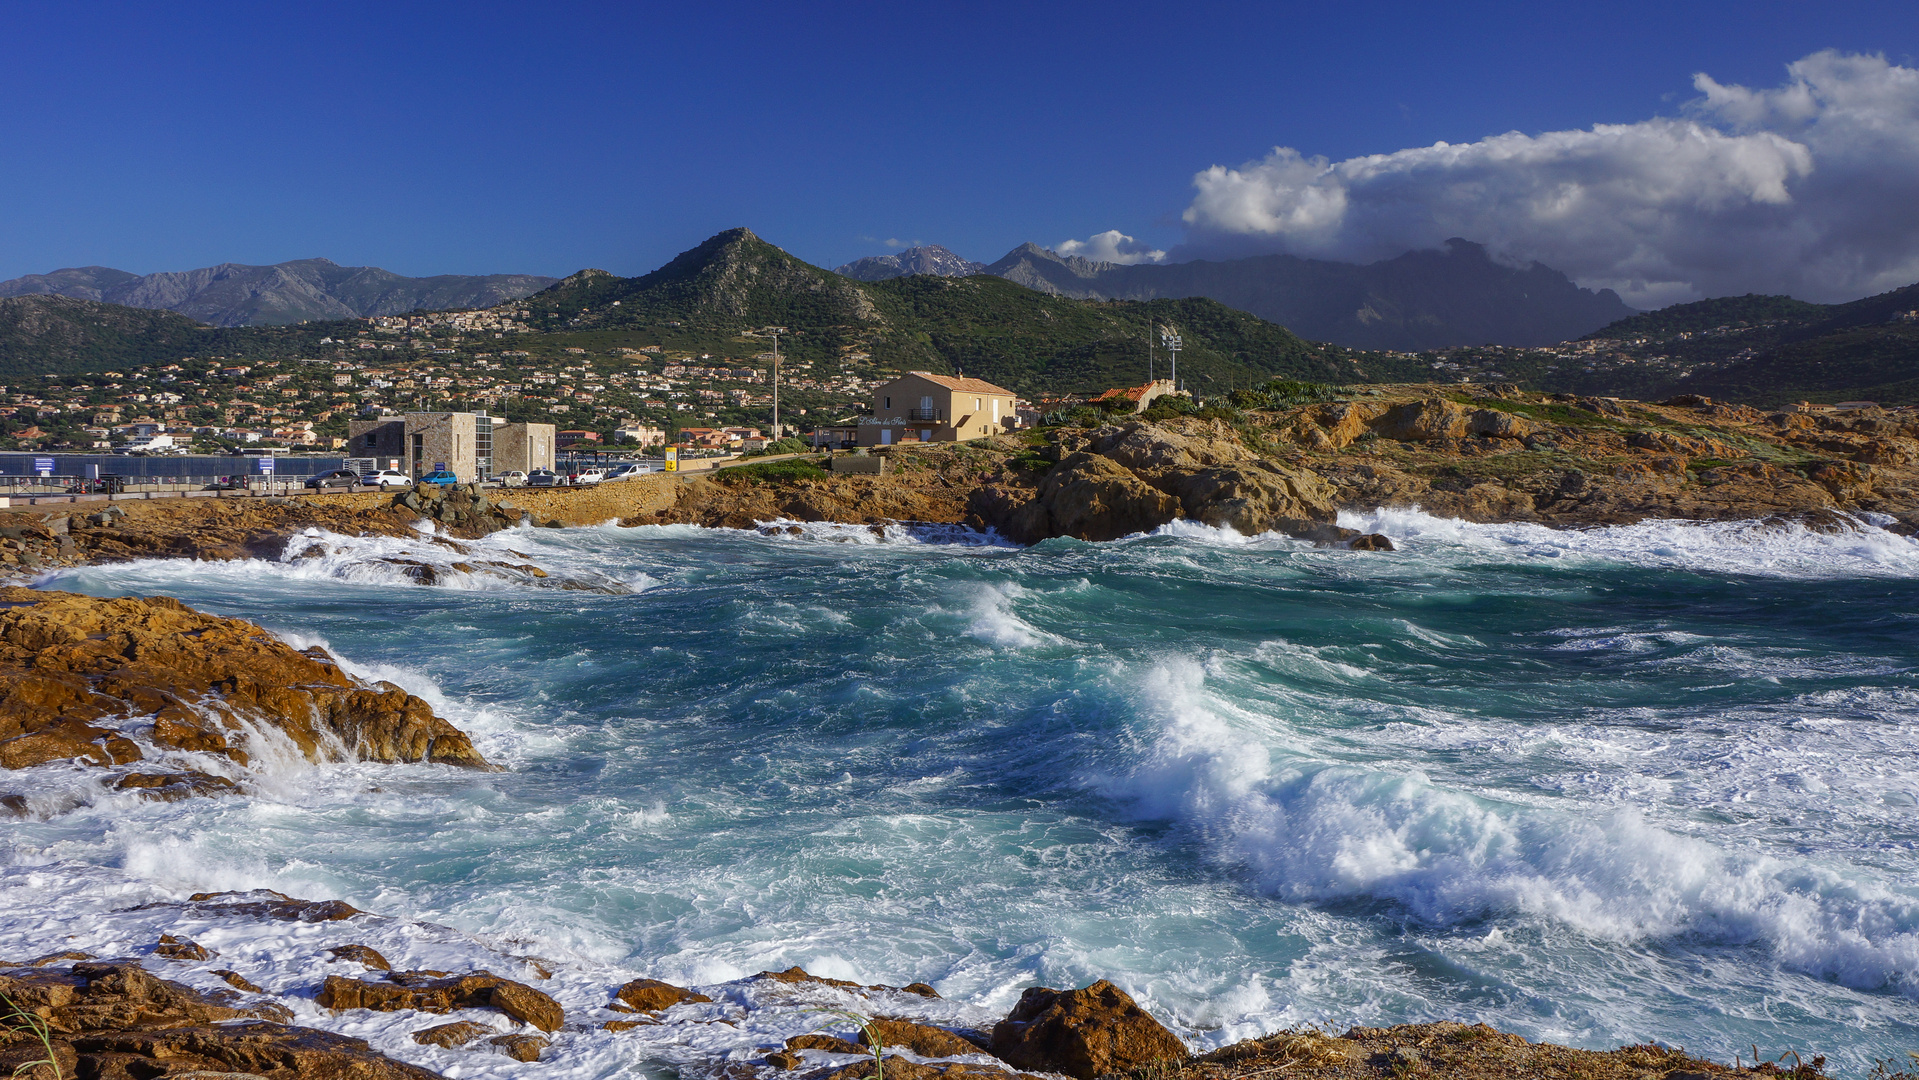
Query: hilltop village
[635, 396]
[438, 361]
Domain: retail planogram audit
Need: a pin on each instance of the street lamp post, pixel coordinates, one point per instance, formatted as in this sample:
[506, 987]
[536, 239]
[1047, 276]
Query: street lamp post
[1172, 342]
[774, 332]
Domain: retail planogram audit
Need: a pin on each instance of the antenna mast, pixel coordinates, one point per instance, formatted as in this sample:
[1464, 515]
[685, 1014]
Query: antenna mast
[1172, 343]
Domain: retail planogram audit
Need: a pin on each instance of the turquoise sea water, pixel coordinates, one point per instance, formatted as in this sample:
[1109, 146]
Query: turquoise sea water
[1653, 783]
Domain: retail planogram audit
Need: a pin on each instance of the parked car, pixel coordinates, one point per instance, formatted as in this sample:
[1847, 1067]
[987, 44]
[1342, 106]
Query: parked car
[587, 476]
[630, 470]
[544, 478]
[102, 485]
[338, 478]
[440, 478]
[386, 478]
[228, 483]
[513, 478]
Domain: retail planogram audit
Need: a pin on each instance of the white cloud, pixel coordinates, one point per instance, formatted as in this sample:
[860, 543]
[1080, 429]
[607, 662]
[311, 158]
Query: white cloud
[1111, 246]
[1810, 188]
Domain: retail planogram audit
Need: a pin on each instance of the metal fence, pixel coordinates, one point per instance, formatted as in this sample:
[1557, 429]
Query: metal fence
[167, 468]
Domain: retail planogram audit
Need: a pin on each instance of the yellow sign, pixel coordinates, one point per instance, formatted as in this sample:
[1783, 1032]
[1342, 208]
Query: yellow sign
[672, 459]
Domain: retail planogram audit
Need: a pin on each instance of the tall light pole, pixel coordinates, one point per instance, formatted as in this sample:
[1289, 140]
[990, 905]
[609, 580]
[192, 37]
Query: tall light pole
[774, 332]
[1171, 341]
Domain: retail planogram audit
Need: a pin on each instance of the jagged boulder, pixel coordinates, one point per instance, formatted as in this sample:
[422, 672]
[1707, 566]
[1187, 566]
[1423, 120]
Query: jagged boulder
[1092, 497]
[922, 1039]
[199, 683]
[652, 995]
[1424, 421]
[1083, 1033]
[1257, 499]
[1499, 424]
[463, 509]
[436, 993]
[117, 1020]
[1334, 426]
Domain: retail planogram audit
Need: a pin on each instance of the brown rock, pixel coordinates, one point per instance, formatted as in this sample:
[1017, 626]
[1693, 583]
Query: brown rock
[429, 993]
[521, 1047]
[627, 1025]
[361, 954]
[1257, 499]
[1083, 1033]
[922, 1039]
[174, 948]
[238, 981]
[1090, 497]
[1373, 542]
[1424, 421]
[117, 1022]
[832, 1044]
[522, 1002]
[172, 787]
[1497, 424]
[448, 1036]
[652, 995]
[781, 1059]
[267, 904]
[68, 660]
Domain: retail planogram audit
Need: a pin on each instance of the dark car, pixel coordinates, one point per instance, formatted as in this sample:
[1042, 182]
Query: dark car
[338, 478]
[228, 483]
[102, 485]
[544, 478]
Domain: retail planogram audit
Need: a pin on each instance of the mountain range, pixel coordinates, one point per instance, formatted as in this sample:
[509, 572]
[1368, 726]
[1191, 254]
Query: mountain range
[926, 259]
[234, 294]
[1459, 295]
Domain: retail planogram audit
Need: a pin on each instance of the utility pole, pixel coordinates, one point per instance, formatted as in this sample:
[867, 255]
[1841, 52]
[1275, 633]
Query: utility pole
[774, 332]
[1172, 343]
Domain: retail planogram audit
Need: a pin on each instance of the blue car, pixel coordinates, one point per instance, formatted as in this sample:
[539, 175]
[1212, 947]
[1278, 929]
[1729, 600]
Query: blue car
[440, 477]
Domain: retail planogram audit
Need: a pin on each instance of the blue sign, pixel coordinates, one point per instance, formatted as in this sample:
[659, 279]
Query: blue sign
[266, 464]
[43, 466]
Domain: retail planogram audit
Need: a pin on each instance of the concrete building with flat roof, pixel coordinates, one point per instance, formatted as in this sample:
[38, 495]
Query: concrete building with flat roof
[472, 446]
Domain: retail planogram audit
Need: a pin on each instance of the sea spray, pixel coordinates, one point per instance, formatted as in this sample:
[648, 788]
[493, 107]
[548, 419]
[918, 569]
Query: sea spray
[1648, 782]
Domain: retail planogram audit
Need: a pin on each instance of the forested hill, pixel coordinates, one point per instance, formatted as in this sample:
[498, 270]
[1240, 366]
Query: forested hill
[1033, 342]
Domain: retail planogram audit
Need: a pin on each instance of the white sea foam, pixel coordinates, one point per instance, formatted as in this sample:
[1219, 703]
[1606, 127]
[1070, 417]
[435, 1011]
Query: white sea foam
[1316, 831]
[1786, 549]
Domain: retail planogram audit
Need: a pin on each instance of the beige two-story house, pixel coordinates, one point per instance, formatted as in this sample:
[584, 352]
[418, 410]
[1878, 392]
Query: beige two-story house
[920, 406]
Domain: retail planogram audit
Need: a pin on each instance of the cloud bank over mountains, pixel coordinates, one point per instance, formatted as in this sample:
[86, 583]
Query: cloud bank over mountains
[1112, 246]
[1809, 188]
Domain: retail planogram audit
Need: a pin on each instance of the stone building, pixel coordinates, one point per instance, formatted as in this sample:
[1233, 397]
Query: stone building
[920, 406]
[472, 446]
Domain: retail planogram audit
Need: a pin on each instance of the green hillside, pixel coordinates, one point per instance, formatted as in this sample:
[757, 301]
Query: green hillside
[1732, 312]
[45, 335]
[1031, 342]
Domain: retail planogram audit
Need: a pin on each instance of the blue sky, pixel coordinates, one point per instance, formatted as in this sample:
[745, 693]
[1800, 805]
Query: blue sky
[443, 138]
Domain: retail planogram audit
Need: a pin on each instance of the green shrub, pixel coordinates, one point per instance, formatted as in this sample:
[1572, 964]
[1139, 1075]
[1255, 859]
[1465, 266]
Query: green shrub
[771, 472]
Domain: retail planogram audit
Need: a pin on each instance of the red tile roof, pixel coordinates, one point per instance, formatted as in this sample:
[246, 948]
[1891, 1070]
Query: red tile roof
[963, 384]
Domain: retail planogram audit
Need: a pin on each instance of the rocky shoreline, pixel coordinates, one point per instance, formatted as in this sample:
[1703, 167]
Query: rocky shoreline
[1480, 454]
[70, 1014]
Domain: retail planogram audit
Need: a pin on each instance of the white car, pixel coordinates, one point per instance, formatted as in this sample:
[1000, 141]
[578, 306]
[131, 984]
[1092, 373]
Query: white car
[386, 478]
[589, 476]
[629, 470]
[512, 479]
